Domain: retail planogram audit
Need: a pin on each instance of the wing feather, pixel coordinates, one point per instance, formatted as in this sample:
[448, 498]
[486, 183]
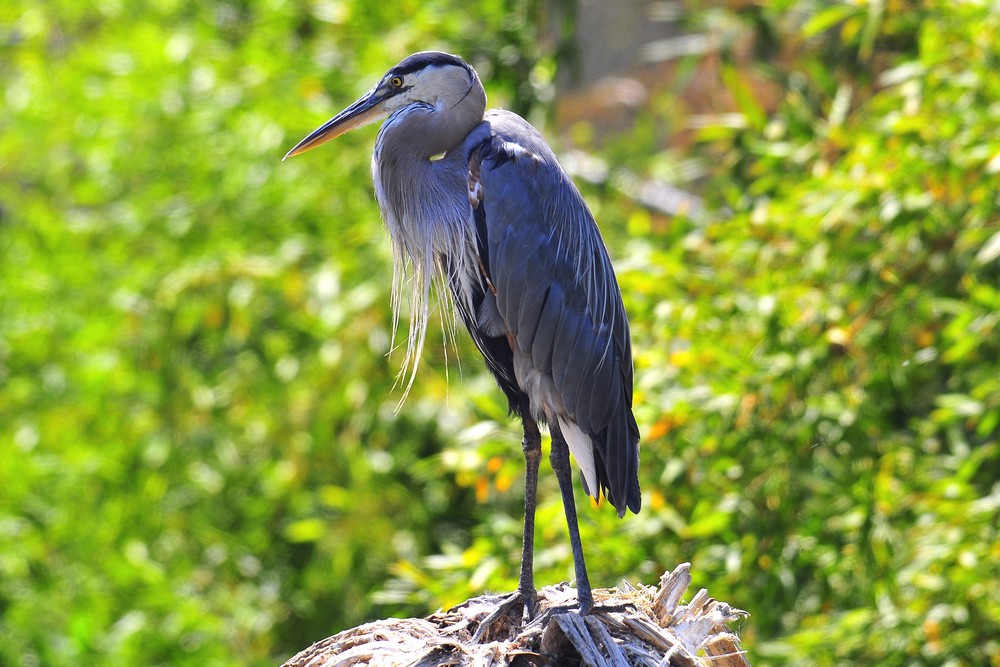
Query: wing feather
[558, 298]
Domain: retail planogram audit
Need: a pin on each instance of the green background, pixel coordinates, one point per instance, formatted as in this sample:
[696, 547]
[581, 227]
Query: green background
[201, 459]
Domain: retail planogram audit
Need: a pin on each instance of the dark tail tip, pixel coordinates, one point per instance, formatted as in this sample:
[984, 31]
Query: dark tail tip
[633, 501]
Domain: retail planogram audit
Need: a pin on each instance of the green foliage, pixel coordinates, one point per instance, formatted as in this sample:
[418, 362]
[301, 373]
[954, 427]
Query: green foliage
[822, 361]
[201, 461]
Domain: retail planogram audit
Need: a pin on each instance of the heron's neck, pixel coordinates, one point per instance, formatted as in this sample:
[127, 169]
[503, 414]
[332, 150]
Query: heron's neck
[425, 206]
[424, 198]
[420, 196]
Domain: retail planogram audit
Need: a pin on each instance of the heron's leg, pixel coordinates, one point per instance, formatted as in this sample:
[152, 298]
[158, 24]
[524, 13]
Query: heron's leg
[526, 597]
[559, 457]
[532, 446]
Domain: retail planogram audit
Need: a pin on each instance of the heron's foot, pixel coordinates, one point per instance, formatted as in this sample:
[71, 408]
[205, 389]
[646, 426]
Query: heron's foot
[543, 618]
[510, 615]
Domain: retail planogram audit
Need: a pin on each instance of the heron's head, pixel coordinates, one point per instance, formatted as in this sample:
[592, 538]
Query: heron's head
[428, 78]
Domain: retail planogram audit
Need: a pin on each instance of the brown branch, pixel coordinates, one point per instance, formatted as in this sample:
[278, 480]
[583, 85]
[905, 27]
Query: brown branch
[646, 627]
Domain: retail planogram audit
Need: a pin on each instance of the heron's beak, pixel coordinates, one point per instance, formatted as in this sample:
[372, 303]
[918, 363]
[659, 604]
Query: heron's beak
[366, 110]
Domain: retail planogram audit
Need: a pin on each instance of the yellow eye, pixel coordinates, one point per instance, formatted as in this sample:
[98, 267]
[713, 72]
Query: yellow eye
[396, 82]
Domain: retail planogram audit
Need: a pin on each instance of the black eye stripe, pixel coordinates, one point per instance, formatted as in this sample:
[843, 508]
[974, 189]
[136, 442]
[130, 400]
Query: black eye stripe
[419, 61]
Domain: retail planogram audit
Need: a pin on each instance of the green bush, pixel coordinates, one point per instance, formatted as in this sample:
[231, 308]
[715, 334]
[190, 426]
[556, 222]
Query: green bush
[201, 457]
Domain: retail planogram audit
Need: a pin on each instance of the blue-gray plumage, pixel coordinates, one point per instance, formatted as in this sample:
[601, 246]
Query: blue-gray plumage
[476, 202]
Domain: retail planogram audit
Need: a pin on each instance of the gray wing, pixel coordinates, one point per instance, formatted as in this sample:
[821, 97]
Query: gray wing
[557, 295]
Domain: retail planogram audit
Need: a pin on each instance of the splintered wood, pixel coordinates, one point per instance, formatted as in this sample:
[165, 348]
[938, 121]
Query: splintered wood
[639, 626]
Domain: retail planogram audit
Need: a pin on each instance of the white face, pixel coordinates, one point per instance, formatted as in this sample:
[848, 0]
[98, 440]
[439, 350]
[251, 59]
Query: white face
[438, 85]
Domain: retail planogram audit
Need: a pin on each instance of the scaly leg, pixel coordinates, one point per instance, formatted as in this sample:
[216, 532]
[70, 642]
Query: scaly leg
[526, 597]
[559, 457]
[532, 446]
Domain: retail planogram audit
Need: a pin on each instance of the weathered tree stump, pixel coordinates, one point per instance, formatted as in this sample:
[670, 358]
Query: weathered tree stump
[638, 626]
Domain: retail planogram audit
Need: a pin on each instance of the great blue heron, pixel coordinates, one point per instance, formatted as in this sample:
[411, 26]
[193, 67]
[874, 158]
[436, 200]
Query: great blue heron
[476, 202]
